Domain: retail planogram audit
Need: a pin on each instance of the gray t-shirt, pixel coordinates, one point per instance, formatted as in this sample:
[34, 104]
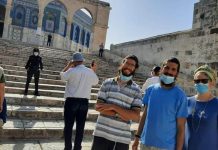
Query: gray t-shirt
[2, 76]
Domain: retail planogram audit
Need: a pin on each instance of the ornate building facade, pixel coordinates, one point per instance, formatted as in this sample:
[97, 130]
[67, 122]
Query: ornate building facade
[78, 25]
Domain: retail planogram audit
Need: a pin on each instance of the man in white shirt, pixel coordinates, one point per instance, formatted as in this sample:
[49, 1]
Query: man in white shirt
[79, 81]
[153, 80]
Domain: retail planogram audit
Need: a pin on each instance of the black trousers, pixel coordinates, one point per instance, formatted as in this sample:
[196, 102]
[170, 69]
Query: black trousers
[74, 109]
[3, 114]
[48, 43]
[30, 74]
[101, 52]
[100, 143]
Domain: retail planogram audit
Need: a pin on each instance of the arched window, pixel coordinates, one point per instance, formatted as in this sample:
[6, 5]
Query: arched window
[63, 26]
[54, 19]
[72, 32]
[77, 33]
[83, 37]
[87, 39]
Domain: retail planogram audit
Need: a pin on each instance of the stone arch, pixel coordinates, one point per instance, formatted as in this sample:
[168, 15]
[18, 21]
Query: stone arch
[89, 8]
[86, 9]
[83, 20]
[45, 3]
[54, 19]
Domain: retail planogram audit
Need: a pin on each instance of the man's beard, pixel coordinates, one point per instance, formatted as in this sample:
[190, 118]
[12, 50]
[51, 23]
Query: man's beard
[167, 85]
[127, 75]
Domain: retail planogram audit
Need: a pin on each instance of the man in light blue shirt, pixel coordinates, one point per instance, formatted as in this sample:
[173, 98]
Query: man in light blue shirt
[162, 124]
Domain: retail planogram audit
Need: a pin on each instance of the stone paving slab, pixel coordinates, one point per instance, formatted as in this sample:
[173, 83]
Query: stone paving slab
[42, 144]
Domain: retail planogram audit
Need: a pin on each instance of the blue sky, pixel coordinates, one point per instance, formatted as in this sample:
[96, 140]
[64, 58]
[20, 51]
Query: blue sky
[137, 19]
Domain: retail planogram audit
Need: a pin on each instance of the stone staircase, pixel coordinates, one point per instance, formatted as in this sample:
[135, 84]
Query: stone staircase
[41, 117]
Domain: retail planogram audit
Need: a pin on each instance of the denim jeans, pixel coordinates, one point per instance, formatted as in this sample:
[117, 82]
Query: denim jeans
[3, 114]
[74, 109]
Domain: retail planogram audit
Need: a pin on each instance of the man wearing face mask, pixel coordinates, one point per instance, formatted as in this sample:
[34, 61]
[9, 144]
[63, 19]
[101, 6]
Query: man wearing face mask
[33, 65]
[119, 103]
[162, 124]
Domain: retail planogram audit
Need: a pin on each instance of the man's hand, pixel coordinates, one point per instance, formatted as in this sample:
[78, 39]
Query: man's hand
[135, 143]
[70, 64]
[108, 113]
[103, 106]
[94, 67]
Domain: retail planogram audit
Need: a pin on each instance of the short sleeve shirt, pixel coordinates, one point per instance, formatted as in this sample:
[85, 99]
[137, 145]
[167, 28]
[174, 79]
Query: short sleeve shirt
[164, 106]
[2, 76]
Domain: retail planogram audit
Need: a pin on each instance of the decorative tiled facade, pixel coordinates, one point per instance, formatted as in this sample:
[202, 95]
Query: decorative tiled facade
[57, 18]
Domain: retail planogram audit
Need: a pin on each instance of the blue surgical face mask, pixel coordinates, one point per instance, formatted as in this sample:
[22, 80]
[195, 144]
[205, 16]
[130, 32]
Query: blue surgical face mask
[125, 78]
[201, 88]
[167, 79]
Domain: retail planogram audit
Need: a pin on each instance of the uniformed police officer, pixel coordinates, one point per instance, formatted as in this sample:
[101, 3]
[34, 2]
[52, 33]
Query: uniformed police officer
[33, 65]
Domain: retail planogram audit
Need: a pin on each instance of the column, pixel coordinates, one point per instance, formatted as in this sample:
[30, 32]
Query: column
[69, 22]
[40, 17]
[67, 38]
[8, 20]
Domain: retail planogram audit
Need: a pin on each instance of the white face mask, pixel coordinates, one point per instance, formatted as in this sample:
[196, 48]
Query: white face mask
[36, 53]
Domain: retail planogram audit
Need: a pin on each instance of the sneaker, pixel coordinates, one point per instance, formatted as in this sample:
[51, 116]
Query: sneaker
[1, 123]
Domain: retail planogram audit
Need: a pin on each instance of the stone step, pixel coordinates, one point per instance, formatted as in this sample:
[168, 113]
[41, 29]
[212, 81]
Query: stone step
[38, 129]
[50, 64]
[49, 74]
[46, 113]
[43, 86]
[19, 68]
[42, 129]
[24, 73]
[42, 92]
[32, 85]
[30, 100]
[41, 80]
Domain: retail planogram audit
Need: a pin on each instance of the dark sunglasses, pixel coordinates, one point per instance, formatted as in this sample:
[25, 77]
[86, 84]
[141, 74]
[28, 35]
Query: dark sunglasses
[204, 81]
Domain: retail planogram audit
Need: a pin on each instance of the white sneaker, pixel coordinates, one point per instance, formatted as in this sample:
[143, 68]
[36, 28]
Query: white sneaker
[1, 123]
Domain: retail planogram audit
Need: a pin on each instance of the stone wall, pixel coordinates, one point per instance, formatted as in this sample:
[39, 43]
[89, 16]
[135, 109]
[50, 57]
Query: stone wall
[191, 47]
